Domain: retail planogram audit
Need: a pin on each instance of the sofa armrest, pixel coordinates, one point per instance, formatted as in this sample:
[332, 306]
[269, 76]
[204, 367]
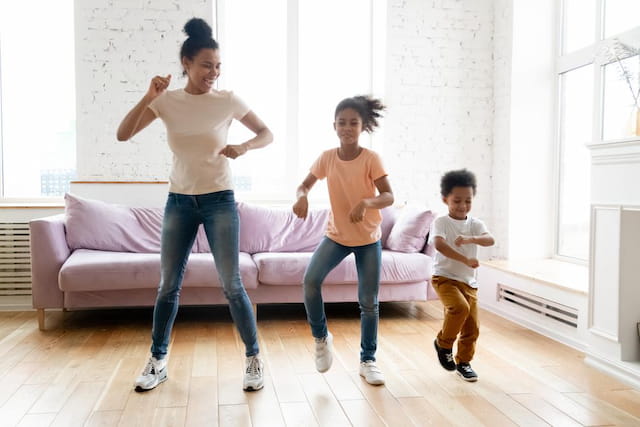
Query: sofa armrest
[49, 250]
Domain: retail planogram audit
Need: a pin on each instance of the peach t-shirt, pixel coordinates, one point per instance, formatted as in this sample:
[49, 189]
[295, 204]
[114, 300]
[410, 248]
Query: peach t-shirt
[350, 181]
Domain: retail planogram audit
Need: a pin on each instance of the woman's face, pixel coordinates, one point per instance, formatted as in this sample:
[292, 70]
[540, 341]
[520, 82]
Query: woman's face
[348, 126]
[202, 70]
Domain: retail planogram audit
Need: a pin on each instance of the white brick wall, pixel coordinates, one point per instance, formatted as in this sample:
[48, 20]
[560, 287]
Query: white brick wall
[503, 23]
[120, 45]
[439, 91]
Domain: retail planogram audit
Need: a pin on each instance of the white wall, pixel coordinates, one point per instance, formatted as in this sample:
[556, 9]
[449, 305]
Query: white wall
[502, 45]
[531, 198]
[439, 91]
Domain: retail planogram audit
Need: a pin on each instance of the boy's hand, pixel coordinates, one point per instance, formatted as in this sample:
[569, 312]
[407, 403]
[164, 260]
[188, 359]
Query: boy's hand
[301, 207]
[472, 262]
[463, 240]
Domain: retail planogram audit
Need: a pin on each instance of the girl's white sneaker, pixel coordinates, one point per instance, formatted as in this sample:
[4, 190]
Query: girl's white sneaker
[371, 373]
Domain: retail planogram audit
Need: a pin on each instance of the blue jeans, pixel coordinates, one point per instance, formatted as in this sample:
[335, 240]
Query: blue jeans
[182, 216]
[368, 260]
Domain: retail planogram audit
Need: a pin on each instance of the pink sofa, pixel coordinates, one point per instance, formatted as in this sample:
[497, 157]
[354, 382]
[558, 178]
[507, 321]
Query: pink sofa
[104, 255]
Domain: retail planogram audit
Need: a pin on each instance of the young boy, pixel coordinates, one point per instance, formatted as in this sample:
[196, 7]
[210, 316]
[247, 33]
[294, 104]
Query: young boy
[456, 236]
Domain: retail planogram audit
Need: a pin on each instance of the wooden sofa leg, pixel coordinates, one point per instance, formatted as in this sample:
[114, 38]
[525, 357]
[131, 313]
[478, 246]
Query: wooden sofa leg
[41, 319]
[255, 311]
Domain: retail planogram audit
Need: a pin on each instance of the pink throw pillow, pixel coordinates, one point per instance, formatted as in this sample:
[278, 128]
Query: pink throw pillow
[409, 233]
[93, 224]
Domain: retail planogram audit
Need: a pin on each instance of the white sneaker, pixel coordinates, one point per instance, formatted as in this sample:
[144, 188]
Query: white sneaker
[371, 373]
[324, 350]
[153, 374]
[253, 374]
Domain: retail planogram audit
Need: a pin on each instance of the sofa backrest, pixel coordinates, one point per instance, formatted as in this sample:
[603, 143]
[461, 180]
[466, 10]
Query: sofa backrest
[275, 229]
[93, 224]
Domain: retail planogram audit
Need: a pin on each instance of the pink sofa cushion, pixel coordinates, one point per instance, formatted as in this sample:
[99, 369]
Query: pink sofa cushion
[266, 229]
[289, 268]
[91, 270]
[409, 233]
[93, 224]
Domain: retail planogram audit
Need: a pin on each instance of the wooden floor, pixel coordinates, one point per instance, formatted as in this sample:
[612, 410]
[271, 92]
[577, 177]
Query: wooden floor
[81, 370]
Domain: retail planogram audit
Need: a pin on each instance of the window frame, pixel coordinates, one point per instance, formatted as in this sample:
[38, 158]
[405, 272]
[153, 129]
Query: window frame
[566, 62]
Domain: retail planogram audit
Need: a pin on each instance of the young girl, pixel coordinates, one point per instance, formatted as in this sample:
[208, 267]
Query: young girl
[197, 119]
[353, 174]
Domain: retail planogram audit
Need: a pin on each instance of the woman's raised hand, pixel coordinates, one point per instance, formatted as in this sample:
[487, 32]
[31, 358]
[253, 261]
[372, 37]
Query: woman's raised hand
[158, 85]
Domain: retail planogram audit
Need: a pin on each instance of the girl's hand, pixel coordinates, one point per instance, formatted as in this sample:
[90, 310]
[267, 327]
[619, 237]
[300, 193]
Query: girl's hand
[301, 207]
[463, 240]
[158, 85]
[357, 213]
[234, 151]
[472, 262]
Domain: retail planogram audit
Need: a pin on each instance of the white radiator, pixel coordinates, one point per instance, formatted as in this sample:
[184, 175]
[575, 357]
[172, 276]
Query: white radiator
[542, 306]
[15, 260]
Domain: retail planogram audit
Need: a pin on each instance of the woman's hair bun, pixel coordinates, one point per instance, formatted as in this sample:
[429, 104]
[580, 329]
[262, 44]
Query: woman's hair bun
[198, 28]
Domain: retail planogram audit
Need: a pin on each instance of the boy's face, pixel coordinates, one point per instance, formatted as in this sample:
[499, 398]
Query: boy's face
[459, 202]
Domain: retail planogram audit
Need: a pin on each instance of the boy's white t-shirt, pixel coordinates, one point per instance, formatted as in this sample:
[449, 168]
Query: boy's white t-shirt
[197, 127]
[449, 229]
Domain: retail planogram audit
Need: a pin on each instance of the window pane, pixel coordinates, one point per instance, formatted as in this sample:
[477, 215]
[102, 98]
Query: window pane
[579, 31]
[575, 132]
[254, 66]
[620, 15]
[38, 97]
[335, 63]
[621, 86]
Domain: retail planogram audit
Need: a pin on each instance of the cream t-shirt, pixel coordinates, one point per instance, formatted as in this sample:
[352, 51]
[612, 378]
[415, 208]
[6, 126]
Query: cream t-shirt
[349, 182]
[197, 127]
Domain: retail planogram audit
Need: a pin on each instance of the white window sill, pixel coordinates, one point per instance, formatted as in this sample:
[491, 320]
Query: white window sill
[562, 274]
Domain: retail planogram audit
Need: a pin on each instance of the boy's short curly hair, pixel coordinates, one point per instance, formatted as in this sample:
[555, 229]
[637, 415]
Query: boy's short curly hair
[457, 178]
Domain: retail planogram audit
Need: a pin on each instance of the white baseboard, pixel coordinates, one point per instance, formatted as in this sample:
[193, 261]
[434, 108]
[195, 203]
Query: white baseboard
[548, 332]
[625, 372]
[15, 303]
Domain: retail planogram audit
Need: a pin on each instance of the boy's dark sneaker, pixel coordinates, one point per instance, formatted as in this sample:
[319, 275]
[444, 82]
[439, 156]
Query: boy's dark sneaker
[466, 372]
[445, 357]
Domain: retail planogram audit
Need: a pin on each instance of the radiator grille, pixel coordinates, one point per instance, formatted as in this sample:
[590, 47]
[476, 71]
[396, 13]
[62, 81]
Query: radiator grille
[542, 306]
[15, 260]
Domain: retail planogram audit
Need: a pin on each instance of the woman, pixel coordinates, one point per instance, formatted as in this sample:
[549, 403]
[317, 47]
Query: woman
[197, 119]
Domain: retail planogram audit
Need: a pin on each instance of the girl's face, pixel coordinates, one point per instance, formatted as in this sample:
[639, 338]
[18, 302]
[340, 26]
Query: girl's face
[202, 70]
[348, 126]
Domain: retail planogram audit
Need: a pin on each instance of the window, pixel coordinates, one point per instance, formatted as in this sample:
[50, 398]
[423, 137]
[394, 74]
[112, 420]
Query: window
[575, 133]
[37, 98]
[297, 62]
[600, 59]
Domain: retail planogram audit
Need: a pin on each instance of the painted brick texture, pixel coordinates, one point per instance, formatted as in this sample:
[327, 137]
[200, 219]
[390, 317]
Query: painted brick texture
[440, 94]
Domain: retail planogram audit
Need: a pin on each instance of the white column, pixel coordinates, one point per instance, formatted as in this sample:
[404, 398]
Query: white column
[614, 271]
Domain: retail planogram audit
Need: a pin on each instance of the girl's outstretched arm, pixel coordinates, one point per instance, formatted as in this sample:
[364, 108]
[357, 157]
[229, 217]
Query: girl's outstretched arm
[301, 206]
